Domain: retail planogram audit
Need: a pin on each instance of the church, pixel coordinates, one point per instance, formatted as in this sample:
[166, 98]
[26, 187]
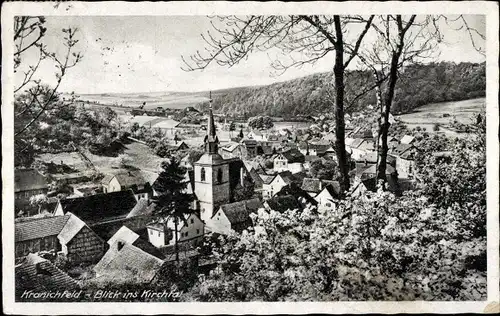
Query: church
[218, 181]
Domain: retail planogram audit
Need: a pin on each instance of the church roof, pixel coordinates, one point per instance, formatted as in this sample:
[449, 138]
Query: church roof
[210, 159]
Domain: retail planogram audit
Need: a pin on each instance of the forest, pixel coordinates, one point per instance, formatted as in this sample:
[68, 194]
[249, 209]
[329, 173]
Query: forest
[420, 84]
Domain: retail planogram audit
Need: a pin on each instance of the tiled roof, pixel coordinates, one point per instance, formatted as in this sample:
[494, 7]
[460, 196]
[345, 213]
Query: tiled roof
[128, 264]
[356, 142]
[407, 139]
[311, 185]
[128, 236]
[166, 123]
[333, 187]
[72, 227]
[143, 207]
[36, 273]
[293, 155]
[130, 178]
[266, 179]
[28, 179]
[400, 149]
[282, 203]
[40, 227]
[239, 212]
[100, 207]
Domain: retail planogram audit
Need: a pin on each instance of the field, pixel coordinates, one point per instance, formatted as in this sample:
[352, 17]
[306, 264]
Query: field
[443, 113]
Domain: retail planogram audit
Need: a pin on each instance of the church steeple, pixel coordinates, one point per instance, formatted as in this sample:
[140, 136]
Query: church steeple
[211, 141]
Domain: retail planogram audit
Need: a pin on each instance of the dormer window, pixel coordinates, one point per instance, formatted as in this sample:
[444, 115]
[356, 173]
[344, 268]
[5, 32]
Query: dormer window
[202, 174]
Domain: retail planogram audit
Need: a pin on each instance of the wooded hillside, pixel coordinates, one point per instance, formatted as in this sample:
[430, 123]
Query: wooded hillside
[419, 85]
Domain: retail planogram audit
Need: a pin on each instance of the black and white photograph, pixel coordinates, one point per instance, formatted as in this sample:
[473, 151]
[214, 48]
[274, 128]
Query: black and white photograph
[232, 155]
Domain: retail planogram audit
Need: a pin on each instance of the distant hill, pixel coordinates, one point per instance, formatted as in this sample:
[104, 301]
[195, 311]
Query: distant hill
[418, 85]
[313, 94]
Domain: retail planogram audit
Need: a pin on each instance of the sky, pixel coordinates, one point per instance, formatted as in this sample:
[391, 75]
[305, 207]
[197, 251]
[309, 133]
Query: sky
[132, 54]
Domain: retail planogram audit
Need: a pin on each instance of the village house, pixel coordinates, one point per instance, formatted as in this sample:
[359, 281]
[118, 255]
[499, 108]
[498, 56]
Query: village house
[282, 204]
[407, 139]
[405, 160]
[28, 183]
[167, 126]
[233, 150]
[249, 148]
[125, 180]
[257, 135]
[289, 160]
[328, 196]
[359, 147]
[37, 274]
[162, 233]
[106, 208]
[234, 217]
[128, 236]
[279, 181]
[65, 235]
[126, 263]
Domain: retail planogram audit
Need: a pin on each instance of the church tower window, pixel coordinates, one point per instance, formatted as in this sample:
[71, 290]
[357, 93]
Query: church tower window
[202, 174]
[219, 176]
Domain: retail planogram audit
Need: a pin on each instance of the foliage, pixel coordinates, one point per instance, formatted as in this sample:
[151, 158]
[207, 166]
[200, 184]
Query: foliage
[428, 244]
[63, 126]
[420, 84]
[324, 169]
[260, 122]
[172, 200]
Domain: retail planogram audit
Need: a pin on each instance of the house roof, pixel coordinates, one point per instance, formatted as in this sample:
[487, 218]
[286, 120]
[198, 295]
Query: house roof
[40, 227]
[166, 124]
[400, 149]
[130, 177]
[143, 207]
[124, 234]
[128, 264]
[28, 180]
[128, 236]
[367, 144]
[407, 139]
[356, 142]
[309, 158]
[283, 203]
[36, 273]
[100, 207]
[293, 155]
[72, 227]
[333, 187]
[230, 147]
[373, 170]
[266, 179]
[249, 142]
[239, 212]
[311, 185]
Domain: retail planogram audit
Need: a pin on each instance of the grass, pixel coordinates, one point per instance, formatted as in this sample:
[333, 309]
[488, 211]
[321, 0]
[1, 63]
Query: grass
[443, 114]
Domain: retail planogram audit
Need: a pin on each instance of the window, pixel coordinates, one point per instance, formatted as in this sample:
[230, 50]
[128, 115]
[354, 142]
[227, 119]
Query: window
[197, 231]
[186, 234]
[328, 204]
[192, 221]
[219, 176]
[158, 234]
[202, 174]
[151, 232]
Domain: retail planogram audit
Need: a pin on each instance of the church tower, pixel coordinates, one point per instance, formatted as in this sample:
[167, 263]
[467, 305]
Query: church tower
[211, 174]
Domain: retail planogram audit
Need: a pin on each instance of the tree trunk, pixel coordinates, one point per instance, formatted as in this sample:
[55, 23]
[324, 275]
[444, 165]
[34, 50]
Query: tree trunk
[386, 110]
[338, 71]
[176, 239]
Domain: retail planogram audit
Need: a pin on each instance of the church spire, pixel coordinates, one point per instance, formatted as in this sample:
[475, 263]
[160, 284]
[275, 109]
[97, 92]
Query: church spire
[211, 140]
